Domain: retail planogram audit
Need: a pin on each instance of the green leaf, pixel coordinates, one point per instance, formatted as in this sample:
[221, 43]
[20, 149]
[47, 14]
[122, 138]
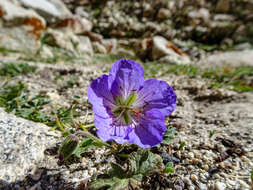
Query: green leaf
[182, 144]
[169, 136]
[103, 183]
[120, 185]
[144, 163]
[118, 171]
[68, 147]
[14, 69]
[137, 177]
[169, 168]
[83, 146]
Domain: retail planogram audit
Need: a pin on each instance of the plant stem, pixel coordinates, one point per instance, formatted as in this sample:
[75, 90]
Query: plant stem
[88, 134]
[84, 127]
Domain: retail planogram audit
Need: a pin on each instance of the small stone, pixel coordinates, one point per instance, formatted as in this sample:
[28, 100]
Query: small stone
[223, 6]
[163, 13]
[220, 186]
[37, 174]
[99, 48]
[169, 158]
[230, 182]
[190, 155]
[194, 177]
[216, 176]
[205, 167]
[202, 186]
[187, 180]
[243, 184]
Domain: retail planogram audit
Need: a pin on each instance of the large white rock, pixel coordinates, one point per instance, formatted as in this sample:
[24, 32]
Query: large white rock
[22, 146]
[49, 9]
[85, 46]
[69, 41]
[233, 58]
[20, 29]
[74, 24]
[166, 51]
[56, 13]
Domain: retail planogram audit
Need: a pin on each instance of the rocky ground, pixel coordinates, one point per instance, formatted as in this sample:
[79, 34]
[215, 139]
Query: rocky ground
[203, 50]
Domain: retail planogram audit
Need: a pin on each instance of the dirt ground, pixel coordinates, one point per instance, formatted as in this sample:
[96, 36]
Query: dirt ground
[216, 125]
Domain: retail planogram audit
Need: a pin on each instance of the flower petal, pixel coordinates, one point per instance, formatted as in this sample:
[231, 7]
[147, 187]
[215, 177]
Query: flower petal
[100, 97]
[150, 130]
[107, 131]
[125, 76]
[157, 94]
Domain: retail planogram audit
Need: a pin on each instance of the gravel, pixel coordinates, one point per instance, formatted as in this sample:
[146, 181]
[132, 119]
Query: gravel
[223, 160]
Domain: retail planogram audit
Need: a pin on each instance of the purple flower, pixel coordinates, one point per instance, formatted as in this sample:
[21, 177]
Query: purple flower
[128, 108]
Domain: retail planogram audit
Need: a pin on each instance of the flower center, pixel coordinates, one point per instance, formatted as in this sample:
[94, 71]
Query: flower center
[125, 113]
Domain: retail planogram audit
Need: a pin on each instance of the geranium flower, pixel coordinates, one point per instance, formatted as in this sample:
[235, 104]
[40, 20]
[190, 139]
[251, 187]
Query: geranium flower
[128, 108]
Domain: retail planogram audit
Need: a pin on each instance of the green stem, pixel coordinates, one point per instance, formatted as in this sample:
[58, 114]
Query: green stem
[88, 134]
[59, 124]
[84, 127]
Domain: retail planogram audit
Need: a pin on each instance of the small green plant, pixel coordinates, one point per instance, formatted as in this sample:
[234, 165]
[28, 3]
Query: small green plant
[139, 164]
[16, 99]
[169, 168]
[182, 145]
[14, 69]
[5, 51]
[236, 77]
[189, 70]
[169, 136]
[211, 133]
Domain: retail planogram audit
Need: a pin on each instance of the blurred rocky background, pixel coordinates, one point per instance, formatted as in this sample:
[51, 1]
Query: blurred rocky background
[177, 32]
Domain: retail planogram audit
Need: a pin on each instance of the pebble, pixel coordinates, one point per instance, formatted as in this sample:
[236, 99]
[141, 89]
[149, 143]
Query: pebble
[216, 176]
[220, 186]
[194, 177]
[243, 184]
[85, 174]
[190, 155]
[187, 180]
[230, 182]
[37, 174]
[205, 167]
[202, 186]
[75, 180]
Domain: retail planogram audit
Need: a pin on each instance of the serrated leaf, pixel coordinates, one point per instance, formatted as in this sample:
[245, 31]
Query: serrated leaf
[144, 163]
[150, 164]
[140, 163]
